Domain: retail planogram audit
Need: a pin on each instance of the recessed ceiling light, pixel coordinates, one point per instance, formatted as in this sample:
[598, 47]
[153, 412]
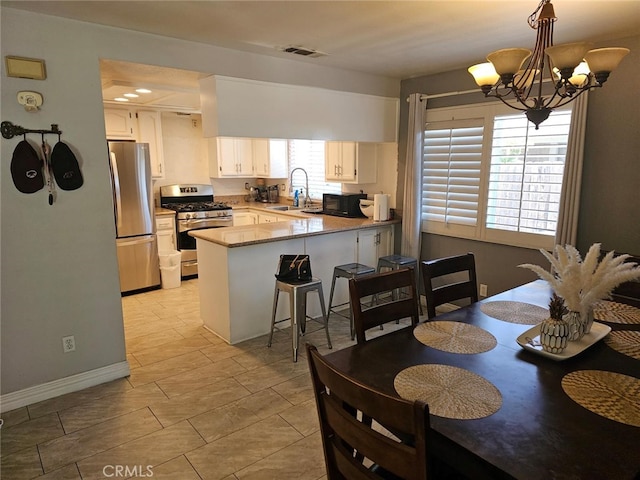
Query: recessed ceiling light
[131, 95]
[143, 90]
[121, 99]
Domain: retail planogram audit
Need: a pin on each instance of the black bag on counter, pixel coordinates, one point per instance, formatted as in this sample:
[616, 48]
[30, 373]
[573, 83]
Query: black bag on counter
[294, 268]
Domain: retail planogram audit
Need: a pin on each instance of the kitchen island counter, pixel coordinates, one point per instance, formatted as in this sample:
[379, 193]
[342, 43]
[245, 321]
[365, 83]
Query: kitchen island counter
[296, 227]
[236, 266]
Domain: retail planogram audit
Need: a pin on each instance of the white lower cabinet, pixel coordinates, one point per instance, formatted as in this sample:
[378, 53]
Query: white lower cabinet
[244, 218]
[269, 218]
[166, 232]
[374, 243]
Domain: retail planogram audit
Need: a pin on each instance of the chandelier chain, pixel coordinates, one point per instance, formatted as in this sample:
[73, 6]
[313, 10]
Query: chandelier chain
[533, 18]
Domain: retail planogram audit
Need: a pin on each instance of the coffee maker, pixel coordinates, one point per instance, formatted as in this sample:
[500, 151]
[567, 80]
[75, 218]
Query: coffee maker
[268, 194]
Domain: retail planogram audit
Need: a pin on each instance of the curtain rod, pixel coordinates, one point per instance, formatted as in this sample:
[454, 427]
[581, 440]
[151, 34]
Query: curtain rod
[426, 96]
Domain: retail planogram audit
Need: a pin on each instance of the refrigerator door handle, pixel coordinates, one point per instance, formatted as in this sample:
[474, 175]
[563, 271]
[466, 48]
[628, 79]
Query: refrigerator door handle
[136, 241]
[116, 188]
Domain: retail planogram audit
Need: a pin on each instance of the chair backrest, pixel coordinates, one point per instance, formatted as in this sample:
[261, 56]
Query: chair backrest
[404, 306]
[457, 290]
[350, 444]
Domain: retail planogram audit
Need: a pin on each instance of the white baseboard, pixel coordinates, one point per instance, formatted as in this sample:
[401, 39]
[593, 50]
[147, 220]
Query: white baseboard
[38, 393]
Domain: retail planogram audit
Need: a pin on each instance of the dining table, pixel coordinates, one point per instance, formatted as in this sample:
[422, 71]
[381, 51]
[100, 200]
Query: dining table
[502, 407]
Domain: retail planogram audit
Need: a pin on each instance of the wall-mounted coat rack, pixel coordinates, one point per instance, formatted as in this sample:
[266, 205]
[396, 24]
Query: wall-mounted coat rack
[31, 171]
[9, 130]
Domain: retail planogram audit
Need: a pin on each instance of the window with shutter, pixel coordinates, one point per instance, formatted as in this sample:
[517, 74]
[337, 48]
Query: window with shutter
[526, 171]
[489, 175]
[451, 175]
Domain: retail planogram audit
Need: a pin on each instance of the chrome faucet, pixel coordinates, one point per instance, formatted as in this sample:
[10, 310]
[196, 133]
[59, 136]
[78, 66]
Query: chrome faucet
[307, 198]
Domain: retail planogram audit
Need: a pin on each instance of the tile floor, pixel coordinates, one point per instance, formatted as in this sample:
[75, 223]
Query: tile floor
[193, 407]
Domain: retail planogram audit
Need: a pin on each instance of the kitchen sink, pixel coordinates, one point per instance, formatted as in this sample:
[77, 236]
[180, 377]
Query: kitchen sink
[283, 208]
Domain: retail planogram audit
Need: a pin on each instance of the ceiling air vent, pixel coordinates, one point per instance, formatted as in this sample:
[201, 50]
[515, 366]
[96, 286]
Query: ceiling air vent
[305, 52]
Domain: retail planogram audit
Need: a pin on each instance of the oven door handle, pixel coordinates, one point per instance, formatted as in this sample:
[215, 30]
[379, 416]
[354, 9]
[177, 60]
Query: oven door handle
[198, 221]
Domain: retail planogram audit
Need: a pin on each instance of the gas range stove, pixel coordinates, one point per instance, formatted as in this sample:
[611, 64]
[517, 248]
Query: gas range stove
[193, 201]
[199, 210]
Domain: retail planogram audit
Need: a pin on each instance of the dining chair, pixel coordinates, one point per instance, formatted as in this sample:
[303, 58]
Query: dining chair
[376, 313]
[357, 450]
[459, 286]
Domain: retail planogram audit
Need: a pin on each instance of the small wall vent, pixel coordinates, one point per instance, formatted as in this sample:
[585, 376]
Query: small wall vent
[305, 52]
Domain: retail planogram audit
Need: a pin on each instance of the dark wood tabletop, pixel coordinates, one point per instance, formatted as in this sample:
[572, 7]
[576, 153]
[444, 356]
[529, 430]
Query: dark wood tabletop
[539, 432]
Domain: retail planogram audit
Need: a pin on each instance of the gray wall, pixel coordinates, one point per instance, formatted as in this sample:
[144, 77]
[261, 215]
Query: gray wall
[59, 268]
[611, 175]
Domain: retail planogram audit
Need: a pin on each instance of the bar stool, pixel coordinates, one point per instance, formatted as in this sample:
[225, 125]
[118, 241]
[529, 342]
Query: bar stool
[298, 309]
[395, 262]
[348, 271]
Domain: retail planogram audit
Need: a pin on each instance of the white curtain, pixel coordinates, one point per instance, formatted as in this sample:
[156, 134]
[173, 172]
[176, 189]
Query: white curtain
[411, 207]
[570, 199]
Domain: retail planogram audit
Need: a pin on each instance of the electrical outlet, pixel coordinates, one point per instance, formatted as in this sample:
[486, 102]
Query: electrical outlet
[483, 290]
[68, 344]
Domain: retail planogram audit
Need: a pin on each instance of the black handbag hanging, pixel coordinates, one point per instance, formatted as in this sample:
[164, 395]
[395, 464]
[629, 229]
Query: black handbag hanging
[294, 268]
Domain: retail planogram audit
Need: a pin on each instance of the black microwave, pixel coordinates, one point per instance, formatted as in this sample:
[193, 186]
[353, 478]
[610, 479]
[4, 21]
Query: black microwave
[347, 205]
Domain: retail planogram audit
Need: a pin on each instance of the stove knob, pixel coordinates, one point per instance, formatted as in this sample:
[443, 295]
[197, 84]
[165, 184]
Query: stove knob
[188, 216]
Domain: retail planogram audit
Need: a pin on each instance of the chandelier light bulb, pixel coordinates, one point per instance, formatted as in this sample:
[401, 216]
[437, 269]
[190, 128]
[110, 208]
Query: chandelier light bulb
[484, 74]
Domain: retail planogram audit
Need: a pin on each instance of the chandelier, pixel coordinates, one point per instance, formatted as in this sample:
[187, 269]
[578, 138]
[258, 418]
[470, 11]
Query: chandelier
[518, 73]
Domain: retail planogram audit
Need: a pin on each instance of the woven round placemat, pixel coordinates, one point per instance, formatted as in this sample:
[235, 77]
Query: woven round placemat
[450, 392]
[614, 312]
[625, 341]
[515, 312]
[454, 337]
[611, 395]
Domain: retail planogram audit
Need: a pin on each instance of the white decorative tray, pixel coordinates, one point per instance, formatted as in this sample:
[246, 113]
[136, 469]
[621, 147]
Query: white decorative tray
[530, 340]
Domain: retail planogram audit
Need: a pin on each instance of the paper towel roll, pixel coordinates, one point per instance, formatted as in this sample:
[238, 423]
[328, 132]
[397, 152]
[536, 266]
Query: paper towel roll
[380, 207]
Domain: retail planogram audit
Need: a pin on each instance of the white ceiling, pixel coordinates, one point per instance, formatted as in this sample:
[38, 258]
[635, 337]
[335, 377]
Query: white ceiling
[399, 39]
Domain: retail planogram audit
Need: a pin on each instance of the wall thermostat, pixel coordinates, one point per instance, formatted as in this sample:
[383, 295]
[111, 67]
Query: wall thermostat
[30, 100]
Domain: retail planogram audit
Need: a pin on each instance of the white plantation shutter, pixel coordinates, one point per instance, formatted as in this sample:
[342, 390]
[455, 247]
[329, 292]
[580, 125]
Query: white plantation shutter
[452, 160]
[525, 179]
[489, 175]
[309, 154]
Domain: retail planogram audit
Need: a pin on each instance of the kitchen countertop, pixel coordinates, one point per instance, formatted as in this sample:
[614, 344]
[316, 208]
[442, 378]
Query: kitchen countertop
[159, 211]
[301, 225]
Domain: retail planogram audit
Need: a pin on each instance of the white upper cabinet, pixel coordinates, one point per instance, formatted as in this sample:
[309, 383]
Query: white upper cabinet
[247, 157]
[150, 131]
[351, 162]
[120, 124]
[233, 157]
[270, 157]
[143, 126]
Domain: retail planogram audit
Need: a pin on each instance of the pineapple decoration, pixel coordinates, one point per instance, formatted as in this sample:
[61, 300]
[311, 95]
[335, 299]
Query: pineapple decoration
[554, 331]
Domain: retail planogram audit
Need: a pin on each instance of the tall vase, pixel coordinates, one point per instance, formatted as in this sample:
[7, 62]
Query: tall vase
[579, 324]
[587, 320]
[574, 321]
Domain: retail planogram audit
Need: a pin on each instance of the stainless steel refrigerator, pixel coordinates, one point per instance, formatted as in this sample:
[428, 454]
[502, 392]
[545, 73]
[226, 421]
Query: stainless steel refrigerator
[136, 241]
